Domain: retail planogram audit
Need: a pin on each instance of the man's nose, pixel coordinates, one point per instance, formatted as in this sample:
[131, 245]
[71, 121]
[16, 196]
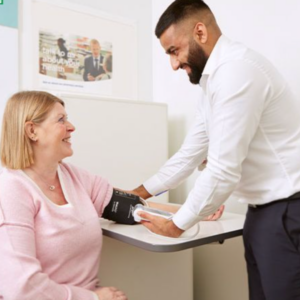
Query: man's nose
[175, 63]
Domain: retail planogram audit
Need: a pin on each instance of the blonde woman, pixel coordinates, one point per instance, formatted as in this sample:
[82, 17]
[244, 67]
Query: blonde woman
[49, 210]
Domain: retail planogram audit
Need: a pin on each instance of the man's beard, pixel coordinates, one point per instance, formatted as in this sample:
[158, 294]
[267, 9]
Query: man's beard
[196, 61]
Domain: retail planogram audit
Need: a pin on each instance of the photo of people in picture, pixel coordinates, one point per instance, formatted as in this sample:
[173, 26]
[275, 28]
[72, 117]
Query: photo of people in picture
[74, 58]
[62, 48]
[93, 63]
[107, 66]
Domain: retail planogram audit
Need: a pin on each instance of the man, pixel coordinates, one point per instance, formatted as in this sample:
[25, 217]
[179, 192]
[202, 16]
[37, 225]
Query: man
[247, 126]
[92, 64]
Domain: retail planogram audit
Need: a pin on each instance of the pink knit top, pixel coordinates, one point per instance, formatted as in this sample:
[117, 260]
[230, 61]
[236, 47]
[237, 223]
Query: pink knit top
[49, 251]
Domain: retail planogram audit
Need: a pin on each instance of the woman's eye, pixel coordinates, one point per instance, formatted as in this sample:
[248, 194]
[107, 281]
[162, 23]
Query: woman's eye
[61, 120]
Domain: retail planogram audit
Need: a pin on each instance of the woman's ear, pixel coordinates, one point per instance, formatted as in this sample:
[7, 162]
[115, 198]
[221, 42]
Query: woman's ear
[30, 131]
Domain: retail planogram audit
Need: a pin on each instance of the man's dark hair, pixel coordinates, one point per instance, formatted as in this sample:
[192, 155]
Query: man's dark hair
[178, 11]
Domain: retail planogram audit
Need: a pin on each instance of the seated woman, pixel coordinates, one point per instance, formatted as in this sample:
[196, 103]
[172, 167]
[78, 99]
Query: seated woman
[50, 236]
[49, 210]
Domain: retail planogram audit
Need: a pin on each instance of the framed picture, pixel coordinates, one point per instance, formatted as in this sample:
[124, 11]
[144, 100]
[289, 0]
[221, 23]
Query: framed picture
[73, 49]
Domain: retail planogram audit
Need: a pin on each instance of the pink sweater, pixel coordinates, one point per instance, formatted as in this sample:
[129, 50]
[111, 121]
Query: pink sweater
[49, 251]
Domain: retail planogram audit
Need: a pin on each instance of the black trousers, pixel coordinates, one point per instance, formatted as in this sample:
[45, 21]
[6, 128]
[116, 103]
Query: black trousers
[272, 251]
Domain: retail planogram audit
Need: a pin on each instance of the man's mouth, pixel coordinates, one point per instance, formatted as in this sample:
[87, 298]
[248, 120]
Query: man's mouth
[186, 67]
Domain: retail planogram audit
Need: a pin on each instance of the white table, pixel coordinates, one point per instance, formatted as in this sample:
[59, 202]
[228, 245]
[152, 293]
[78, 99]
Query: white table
[148, 267]
[230, 225]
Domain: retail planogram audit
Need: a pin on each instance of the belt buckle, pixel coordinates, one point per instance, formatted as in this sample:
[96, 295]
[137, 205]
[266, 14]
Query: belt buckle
[252, 205]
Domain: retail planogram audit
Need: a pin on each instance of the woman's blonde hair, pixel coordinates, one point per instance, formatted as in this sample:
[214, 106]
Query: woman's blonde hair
[16, 149]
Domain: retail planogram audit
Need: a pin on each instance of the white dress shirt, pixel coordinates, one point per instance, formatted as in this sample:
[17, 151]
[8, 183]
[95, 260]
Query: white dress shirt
[248, 128]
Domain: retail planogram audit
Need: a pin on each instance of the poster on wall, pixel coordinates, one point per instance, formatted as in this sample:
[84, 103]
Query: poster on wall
[70, 49]
[75, 63]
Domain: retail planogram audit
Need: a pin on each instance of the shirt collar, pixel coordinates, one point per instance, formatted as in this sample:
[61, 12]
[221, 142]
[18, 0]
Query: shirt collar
[215, 58]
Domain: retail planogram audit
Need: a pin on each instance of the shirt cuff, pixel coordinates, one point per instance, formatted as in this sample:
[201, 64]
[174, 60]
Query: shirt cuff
[95, 296]
[185, 219]
[154, 186]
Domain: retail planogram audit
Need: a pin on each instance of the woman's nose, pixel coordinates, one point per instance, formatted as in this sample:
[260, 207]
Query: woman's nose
[71, 127]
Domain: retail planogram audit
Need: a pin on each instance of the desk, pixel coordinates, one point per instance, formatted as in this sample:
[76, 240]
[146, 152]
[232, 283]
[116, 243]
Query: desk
[147, 267]
[230, 225]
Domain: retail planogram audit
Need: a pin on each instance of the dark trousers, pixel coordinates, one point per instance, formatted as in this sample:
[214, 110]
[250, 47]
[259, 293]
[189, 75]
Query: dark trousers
[272, 251]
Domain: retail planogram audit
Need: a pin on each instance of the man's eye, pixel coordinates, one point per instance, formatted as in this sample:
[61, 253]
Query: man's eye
[174, 52]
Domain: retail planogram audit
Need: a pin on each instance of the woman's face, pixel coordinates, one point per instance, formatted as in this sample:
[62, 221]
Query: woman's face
[54, 135]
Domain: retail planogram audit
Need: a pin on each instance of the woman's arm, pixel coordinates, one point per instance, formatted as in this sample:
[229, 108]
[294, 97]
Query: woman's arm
[173, 208]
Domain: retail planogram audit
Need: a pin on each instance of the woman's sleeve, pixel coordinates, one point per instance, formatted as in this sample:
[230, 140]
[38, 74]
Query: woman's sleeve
[101, 193]
[21, 274]
[98, 188]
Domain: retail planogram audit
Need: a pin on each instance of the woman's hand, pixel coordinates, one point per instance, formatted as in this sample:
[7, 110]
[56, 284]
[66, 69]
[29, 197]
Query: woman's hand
[110, 293]
[217, 215]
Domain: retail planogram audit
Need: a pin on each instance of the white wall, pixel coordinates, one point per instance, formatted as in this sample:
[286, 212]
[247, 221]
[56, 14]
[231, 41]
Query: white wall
[9, 66]
[140, 11]
[174, 89]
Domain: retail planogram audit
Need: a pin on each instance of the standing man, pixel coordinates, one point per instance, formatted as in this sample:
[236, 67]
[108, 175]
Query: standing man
[93, 63]
[248, 128]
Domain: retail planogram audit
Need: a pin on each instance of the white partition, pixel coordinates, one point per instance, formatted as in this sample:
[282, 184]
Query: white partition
[144, 275]
[124, 141]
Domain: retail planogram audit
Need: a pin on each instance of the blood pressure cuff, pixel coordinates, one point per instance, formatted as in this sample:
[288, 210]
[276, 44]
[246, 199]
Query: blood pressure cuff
[120, 208]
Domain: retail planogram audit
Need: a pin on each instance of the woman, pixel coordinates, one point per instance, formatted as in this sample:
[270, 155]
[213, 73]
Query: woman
[49, 210]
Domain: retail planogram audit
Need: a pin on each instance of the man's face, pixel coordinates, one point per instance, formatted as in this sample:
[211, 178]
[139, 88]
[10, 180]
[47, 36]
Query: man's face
[184, 52]
[95, 48]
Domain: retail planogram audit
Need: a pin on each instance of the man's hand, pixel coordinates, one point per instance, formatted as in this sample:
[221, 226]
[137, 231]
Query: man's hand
[141, 192]
[166, 227]
[217, 215]
[160, 225]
